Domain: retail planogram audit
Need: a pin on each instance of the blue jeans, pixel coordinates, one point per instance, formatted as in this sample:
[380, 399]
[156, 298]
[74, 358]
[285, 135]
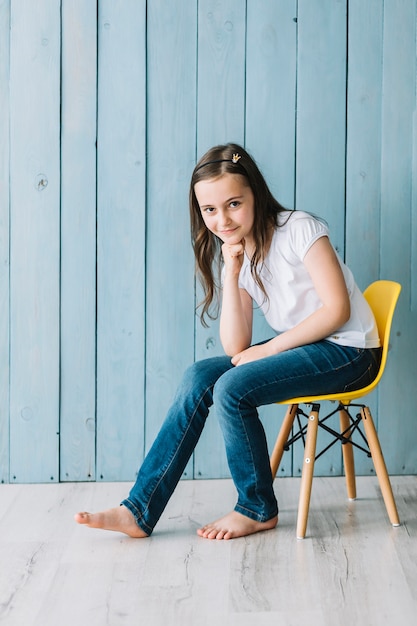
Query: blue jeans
[318, 368]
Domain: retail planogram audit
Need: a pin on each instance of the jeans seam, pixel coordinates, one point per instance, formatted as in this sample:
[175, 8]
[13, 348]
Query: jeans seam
[351, 362]
[197, 405]
[253, 515]
[138, 516]
[251, 454]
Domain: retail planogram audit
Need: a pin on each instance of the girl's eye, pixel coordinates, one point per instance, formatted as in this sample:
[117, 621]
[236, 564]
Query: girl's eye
[209, 209]
[234, 204]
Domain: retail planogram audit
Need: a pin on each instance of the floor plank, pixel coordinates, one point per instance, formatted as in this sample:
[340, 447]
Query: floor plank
[353, 567]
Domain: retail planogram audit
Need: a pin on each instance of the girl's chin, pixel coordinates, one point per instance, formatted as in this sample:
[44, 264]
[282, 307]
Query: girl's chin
[230, 239]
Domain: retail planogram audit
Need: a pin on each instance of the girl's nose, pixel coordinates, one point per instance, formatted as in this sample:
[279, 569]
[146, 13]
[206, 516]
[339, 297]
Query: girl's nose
[224, 218]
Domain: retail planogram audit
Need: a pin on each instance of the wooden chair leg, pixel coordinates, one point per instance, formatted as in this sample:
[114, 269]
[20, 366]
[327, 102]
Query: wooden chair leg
[282, 438]
[308, 471]
[348, 459]
[380, 467]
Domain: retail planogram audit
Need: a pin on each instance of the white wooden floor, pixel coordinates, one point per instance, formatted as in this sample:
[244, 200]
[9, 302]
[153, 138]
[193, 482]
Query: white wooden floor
[352, 568]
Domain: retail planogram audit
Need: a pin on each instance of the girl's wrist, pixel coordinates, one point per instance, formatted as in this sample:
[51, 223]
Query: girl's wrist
[274, 345]
[231, 276]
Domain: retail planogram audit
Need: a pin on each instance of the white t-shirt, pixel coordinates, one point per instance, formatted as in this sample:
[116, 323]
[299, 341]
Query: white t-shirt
[291, 294]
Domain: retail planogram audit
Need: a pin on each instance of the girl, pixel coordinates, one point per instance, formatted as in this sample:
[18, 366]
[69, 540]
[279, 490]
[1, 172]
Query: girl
[248, 250]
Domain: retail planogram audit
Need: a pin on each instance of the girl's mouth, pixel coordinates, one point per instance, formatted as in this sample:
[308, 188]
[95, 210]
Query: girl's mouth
[228, 231]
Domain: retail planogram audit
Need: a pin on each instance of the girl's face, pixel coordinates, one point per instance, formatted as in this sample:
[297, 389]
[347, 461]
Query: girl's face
[227, 207]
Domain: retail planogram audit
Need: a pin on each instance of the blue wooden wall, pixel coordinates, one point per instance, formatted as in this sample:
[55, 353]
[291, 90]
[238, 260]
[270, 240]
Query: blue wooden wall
[104, 108]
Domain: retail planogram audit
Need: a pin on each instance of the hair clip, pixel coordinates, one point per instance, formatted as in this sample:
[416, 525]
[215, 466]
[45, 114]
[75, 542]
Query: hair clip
[235, 158]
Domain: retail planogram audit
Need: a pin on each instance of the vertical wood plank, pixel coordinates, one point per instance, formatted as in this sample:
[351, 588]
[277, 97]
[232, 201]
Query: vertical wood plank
[35, 227]
[321, 112]
[221, 118]
[321, 120]
[271, 58]
[398, 109]
[363, 155]
[363, 173]
[120, 237]
[270, 92]
[414, 212]
[4, 238]
[221, 72]
[78, 239]
[414, 208]
[171, 87]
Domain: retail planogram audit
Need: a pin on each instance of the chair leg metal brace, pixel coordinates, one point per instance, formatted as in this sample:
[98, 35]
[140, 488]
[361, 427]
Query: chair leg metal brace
[380, 467]
[308, 471]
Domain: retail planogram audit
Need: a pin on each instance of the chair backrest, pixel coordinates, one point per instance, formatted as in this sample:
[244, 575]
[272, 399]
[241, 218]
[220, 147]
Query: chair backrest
[382, 297]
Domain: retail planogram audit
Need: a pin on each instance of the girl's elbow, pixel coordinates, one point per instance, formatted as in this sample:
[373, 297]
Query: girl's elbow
[227, 349]
[344, 314]
[339, 315]
[233, 348]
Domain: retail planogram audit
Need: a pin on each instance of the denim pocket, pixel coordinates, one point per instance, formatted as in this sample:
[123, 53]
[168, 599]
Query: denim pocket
[362, 381]
[373, 357]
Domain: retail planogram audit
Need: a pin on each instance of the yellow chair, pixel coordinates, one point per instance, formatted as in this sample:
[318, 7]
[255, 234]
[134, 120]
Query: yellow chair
[382, 297]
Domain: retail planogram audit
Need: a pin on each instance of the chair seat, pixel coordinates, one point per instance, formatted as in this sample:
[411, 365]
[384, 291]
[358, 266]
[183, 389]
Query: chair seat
[345, 399]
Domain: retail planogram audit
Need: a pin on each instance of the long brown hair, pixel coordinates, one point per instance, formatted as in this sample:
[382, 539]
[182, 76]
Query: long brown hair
[207, 247]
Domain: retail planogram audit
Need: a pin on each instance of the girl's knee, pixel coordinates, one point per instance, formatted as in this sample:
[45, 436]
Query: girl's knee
[195, 374]
[192, 379]
[225, 391]
[205, 373]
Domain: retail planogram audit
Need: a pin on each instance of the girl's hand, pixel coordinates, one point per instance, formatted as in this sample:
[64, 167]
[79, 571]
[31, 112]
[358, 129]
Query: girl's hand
[254, 353]
[233, 255]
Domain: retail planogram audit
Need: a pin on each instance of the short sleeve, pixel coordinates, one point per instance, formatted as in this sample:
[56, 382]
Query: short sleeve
[303, 232]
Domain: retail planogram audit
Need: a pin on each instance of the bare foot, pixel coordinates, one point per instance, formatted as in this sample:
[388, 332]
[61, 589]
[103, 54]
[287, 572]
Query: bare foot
[235, 525]
[120, 519]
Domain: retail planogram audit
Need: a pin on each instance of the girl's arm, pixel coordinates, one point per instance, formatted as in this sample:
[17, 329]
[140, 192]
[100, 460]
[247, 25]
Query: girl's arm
[236, 312]
[327, 276]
